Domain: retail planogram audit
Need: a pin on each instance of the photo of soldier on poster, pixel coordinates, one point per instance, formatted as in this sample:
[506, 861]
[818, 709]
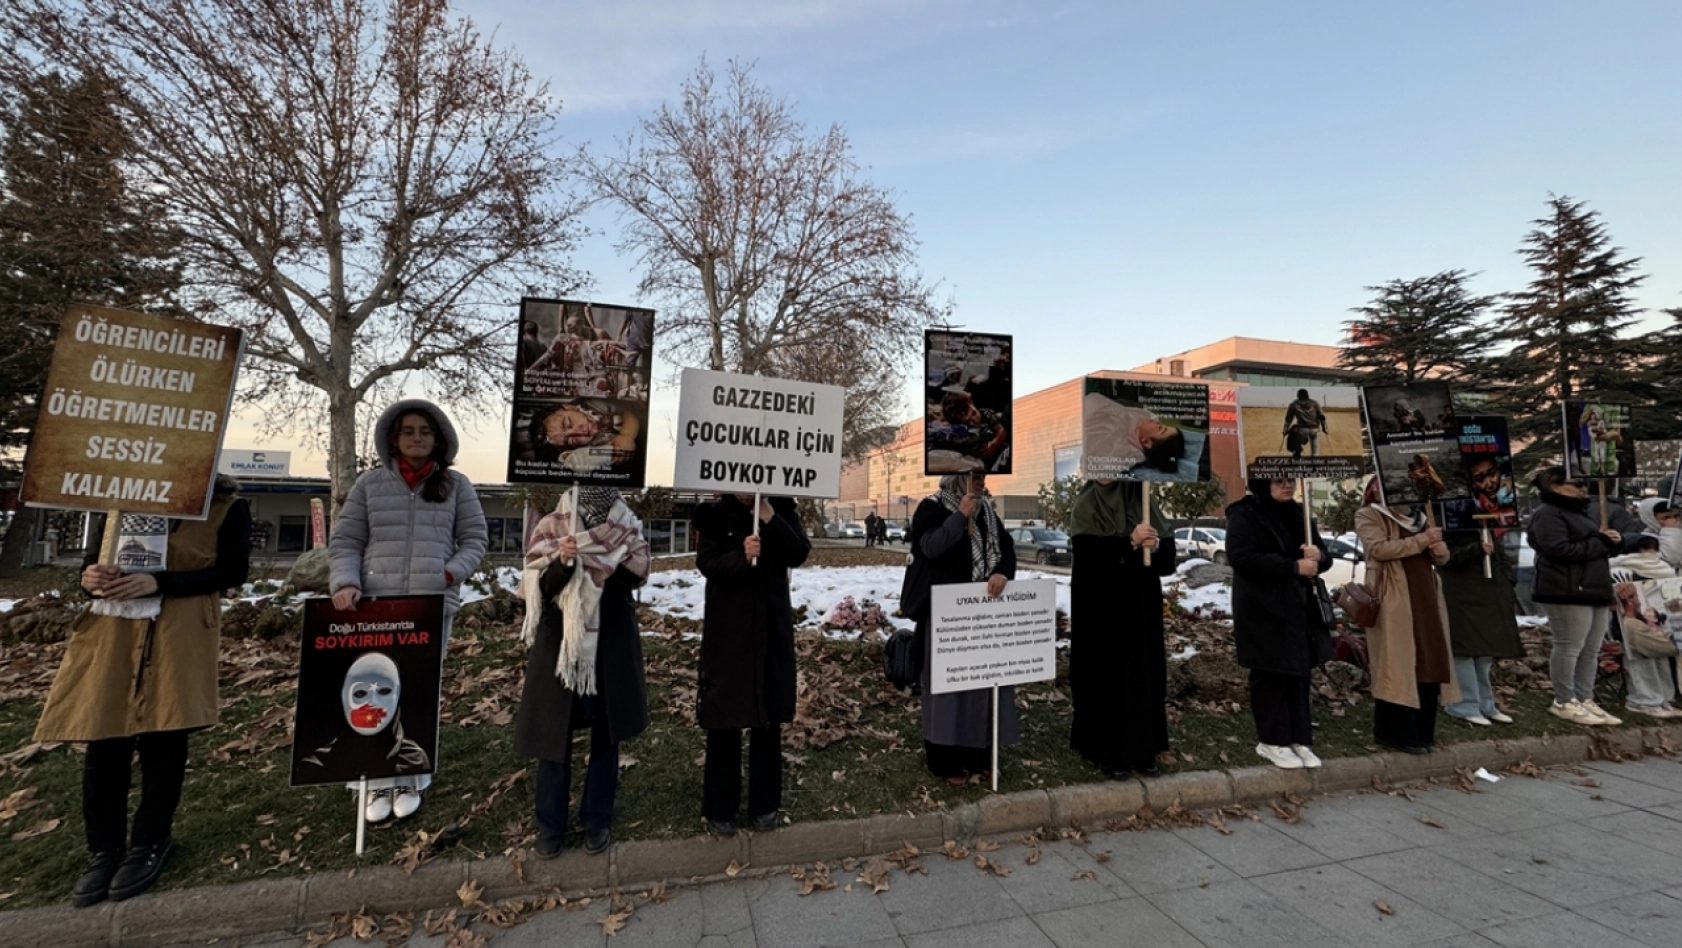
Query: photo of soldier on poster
[1487, 457]
[1286, 433]
[1416, 442]
[1144, 431]
[582, 377]
[1598, 442]
[368, 689]
[968, 398]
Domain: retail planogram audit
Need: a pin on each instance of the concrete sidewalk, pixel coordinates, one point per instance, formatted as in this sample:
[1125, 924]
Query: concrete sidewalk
[1590, 858]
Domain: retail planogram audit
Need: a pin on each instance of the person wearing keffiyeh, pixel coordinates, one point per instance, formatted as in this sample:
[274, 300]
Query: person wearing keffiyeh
[584, 667]
[962, 540]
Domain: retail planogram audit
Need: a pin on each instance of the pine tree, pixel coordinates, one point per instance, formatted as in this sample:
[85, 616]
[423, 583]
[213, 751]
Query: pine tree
[1567, 331]
[1427, 327]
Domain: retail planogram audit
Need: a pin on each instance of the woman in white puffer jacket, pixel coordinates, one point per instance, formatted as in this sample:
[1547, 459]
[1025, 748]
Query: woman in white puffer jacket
[411, 526]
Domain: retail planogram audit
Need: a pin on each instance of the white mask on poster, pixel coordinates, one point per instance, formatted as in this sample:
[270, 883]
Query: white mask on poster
[371, 693]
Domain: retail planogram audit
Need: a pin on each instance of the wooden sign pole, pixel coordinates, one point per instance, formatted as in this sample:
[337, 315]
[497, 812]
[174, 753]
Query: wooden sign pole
[1146, 516]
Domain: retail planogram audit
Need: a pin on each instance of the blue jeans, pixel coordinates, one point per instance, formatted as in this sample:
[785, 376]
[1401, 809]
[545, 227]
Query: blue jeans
[1477, 697]
[601, 783]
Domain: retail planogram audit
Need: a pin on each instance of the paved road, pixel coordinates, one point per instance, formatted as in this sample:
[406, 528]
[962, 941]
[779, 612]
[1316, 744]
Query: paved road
[1592, 859]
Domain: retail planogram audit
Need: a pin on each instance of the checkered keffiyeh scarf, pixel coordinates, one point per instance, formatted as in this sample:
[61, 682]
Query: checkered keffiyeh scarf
[983, 527]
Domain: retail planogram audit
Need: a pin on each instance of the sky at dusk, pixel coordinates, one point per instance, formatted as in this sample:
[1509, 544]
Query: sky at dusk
[1117, 181]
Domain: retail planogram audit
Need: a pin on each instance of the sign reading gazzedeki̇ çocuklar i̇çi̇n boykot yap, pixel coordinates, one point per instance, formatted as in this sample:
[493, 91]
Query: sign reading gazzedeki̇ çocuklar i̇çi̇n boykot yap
[745, 434]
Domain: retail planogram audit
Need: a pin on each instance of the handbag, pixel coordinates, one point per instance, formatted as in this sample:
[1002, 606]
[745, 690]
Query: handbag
[1360, 603]
[902, 659]
[1323, 599]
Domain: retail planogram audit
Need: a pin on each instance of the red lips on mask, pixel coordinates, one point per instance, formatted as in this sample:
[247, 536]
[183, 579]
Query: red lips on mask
[366, 715]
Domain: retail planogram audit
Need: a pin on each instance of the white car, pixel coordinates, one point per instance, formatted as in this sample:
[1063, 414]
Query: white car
[896, 533]
[1207, 543]
[1347, 563]
[852, 531]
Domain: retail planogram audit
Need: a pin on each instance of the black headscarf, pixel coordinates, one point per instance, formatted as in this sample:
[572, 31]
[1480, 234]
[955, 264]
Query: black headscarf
[1285, 517]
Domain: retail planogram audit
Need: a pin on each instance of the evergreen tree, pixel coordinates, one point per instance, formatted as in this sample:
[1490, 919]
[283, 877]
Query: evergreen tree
[1567, 331]
[1427, 327]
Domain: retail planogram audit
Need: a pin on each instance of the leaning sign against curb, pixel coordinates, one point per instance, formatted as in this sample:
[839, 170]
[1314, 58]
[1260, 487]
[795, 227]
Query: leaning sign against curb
[982, 643]
[133, 415]
[747, 434]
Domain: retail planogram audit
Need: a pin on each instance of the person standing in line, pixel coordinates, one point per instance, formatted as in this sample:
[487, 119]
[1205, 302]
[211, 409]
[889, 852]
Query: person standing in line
[957, 538]
[411, 526]
[1118, 662]
[138, 677]
[1574, 588]
[1482, 620]
[1412, 663]
[585, 666]
[1276, 626]
[747, 671]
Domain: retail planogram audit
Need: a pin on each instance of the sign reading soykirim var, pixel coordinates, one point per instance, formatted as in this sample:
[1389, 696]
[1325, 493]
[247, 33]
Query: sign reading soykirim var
[133, 414]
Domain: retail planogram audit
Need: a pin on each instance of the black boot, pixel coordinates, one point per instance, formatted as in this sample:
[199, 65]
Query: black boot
[95, 881]
[140, 868]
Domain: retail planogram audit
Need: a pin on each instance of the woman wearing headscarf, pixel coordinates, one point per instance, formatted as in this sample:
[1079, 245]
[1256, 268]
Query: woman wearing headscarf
[584, 669]
[1118, 661]
[138, 677]
[1408, 647]
[957, 538]
[747, 672]
[412, 526]
[1650, 674]
[1276, 625]
[1573, 586]
[1482, 619]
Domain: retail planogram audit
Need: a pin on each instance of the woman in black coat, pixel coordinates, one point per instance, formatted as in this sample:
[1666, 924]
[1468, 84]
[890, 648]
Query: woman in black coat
[1276, 624]
[588, 674]
[1574, 588]
[747, 653]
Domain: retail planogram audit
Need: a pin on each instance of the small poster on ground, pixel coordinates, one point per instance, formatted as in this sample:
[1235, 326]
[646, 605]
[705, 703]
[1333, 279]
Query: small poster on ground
[745, 434]
[1486, 454]
[1144, 431]
[1291, 432]
[582, 376]
[1649, 613]
[1598, 440]
[368, 687]
[967, 424]
[979, 642]
[1415, 441]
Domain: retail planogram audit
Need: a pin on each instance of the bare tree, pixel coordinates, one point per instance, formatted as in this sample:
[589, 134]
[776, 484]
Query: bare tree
[364, 186]
[769, 253]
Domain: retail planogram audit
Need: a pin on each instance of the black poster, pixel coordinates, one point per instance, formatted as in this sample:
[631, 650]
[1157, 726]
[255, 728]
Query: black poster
[368, 685]
[1416, 442]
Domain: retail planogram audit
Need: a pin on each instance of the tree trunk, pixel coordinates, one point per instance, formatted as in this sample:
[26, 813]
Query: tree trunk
[15, 551]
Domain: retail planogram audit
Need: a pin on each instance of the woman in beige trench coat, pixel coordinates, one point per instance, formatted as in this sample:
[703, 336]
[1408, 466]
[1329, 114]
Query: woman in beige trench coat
[1408, 647]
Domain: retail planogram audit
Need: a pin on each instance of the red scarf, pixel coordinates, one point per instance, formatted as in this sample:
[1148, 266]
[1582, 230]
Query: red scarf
[413, 475]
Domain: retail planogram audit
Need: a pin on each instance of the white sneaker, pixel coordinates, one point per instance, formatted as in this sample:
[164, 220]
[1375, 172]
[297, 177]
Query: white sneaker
[1308, 757]
[379, 806]
[1501, 717]
[406, 803]
[1572, 711]
[1280, 757]
[1477, 719]
[1662, 711]
[1596, 711]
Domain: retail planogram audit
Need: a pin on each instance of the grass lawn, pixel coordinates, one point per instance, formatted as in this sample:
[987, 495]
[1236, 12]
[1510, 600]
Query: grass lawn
[854, 750]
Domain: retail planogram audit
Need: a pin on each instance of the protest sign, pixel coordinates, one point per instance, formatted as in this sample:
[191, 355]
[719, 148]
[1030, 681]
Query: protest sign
[581, 388]
[1415, 441]
[1656, 459]
[368, 682]
[1649, 615]
[1289, 433]
[133, 415]
[1144, 431]
[979, 642]
[1487, 458]
[744, 434]
[1598, 442]
[967, 412]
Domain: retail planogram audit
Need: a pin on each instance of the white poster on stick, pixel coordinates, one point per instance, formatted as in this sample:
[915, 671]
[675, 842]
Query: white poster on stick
[982, 643]
[743, 434]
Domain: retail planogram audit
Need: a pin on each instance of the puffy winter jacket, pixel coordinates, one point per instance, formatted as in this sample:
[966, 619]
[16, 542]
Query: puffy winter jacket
[1571, 553]
[388, 540]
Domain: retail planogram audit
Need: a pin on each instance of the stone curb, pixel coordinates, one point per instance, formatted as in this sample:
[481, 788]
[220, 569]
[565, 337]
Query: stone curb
[264, 906]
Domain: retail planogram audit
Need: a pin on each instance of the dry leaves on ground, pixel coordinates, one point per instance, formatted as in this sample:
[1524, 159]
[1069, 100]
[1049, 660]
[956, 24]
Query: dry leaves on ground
[618, 913]
[1383, 907]
[1428, 821]
[39, 829]
[812, 879]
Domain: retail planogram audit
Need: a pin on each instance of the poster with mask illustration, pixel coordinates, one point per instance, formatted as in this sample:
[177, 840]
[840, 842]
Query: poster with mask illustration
[1486, 454]
[368, 685]
[1415, 442]
[1144, 431]
[582, 373]
[967, 403]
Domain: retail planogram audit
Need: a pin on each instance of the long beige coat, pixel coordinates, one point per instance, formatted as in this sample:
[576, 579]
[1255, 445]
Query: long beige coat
[122, 677]
[1390, 643]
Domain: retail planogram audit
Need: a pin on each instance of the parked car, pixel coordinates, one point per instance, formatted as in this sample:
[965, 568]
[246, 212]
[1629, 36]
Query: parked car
[1207, 543]
[1041, 545]
[896, 533]
[1348, 565]
[852, 530]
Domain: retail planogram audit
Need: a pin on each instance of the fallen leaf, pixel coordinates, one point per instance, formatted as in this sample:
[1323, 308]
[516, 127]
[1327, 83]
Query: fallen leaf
[953, 850]
[1083, 874]
[1428, 821]
[987, 865]
[986, 846]
[469, 894]
[734, 869]
[875, 874]
[39, 829]
[1033, 857]
[1383, 906]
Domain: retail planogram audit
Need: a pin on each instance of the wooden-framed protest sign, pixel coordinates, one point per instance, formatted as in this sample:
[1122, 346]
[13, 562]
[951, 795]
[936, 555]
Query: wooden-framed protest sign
[133, 414]
[1416, 443]
[582, 376]
[1598, 439]
[368, 690]
[1144, 431]
[1301, 433]
[744, 434]
[967, 423]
